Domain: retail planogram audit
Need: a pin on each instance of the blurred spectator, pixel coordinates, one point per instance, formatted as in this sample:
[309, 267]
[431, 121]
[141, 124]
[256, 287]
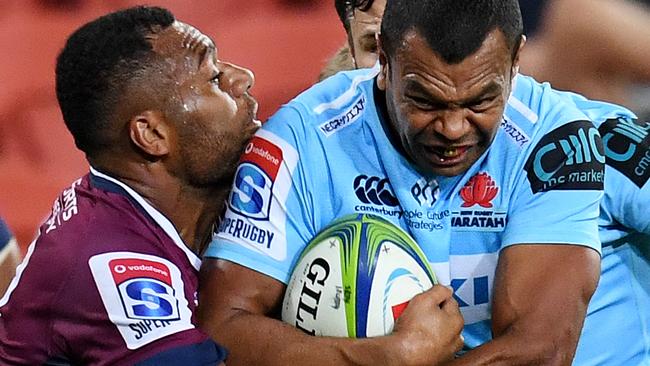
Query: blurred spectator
[599, 48]
[361, 20]
[9, 257]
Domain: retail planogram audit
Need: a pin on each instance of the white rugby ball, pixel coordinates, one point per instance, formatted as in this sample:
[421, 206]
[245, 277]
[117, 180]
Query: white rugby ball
[355, 278]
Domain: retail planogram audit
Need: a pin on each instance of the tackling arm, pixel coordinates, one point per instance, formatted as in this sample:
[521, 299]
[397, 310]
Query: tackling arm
[237, 306]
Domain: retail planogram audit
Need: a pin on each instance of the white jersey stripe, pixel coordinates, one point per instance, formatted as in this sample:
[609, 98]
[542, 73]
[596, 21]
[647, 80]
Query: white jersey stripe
[348, 94]
[160, 219]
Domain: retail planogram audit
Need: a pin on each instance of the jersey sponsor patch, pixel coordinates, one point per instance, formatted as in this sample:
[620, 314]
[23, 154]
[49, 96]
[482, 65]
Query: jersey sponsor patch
[374, 191]
[144, 296]
[344, 119]
[254, 179]
[471, 276]
[627, 148]
[514, 132]
[256, 214]
[571, 157]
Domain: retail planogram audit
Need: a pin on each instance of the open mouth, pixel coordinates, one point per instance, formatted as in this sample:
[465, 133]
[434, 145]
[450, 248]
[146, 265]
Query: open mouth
[447, 155]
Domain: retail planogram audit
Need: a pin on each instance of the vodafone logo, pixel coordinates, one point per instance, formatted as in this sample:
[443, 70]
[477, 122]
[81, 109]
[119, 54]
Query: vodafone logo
[119, 269]
[261, 152]
[249, 148]
[265, 155]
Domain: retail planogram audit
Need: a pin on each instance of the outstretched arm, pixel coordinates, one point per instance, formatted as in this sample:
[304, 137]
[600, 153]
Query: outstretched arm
[237, 306]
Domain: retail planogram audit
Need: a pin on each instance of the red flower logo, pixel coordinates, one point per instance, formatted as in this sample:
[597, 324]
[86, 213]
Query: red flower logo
[480, 190]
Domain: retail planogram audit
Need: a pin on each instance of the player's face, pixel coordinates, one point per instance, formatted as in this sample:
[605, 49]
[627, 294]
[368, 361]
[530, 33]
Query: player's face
[364, 25]
[446, 116]
[216, 116]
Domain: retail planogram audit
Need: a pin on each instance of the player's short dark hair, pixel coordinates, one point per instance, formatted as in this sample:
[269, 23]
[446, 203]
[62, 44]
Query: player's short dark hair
[344, 9]
[95, 66]
[454, 29]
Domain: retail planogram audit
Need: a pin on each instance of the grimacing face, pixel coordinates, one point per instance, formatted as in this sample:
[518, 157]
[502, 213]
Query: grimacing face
[364, 25]
[446, 116]
[215, 115]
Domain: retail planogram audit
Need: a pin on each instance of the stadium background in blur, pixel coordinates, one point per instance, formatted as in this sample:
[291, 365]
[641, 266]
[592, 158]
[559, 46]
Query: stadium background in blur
[285, 42]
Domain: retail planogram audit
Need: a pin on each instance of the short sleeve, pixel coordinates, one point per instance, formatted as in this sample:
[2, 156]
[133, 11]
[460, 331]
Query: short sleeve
[627, 147]
[268, 220]
[557, 195]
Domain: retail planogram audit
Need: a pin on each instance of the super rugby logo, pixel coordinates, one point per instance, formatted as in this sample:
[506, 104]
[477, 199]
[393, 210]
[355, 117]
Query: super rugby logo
[571, 157]
[627, 148]
[145, 288]
[144, 296]
[258, 168]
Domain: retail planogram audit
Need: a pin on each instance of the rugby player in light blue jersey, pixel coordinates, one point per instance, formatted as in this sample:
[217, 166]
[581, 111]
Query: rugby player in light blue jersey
[497, 177]
[624, 223]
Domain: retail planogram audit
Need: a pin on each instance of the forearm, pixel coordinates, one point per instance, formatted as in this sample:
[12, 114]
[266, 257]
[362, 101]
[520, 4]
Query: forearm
[277, 343]
[237, 307]
[517, 348]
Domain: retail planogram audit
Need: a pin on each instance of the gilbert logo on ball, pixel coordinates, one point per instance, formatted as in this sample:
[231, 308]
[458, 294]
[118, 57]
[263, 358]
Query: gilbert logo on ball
[355, 278]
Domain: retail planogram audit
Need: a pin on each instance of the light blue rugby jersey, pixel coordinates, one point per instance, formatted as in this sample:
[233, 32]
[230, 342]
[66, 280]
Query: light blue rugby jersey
[620, 309]
[326, 154]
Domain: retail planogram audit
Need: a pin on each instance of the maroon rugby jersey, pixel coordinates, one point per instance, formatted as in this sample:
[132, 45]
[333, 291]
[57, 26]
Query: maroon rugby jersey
[108, 281]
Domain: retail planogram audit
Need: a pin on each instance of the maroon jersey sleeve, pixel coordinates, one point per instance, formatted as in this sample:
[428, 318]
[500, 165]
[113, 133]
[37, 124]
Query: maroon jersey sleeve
[28, 308]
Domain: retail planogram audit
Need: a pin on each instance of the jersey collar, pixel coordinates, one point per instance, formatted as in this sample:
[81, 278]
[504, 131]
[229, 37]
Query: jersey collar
[110, 184]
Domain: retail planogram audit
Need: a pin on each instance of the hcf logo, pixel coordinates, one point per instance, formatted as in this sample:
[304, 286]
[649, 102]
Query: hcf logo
[570, 157]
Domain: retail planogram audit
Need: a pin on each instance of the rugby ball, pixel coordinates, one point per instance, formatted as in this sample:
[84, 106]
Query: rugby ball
[355, 278]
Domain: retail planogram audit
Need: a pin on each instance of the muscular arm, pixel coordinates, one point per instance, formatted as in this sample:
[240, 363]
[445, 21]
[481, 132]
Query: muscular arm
[541, 293]
[237, 306]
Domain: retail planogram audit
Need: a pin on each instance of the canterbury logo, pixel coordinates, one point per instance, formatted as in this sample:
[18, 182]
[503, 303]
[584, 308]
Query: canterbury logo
[374, 190]
[479, 190]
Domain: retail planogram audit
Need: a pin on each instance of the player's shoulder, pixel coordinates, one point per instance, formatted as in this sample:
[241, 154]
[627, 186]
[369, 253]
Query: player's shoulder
[328, 106]
[553, 139]
[538, 108]
[89, 217]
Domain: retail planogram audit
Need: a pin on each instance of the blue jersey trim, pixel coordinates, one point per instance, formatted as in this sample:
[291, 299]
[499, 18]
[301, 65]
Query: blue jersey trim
[205, 353]
[5, 235]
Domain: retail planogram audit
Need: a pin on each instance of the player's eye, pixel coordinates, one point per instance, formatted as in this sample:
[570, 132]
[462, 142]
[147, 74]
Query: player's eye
[215, 78]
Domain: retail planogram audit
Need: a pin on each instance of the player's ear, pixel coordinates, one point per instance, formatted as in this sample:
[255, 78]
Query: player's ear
[150, 132]
[383, 65]
[516, 56]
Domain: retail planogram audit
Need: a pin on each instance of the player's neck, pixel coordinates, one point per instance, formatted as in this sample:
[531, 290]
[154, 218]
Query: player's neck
[192, 210]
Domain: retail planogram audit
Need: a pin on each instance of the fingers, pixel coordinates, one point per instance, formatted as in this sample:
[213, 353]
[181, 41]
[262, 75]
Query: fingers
[438, 294]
